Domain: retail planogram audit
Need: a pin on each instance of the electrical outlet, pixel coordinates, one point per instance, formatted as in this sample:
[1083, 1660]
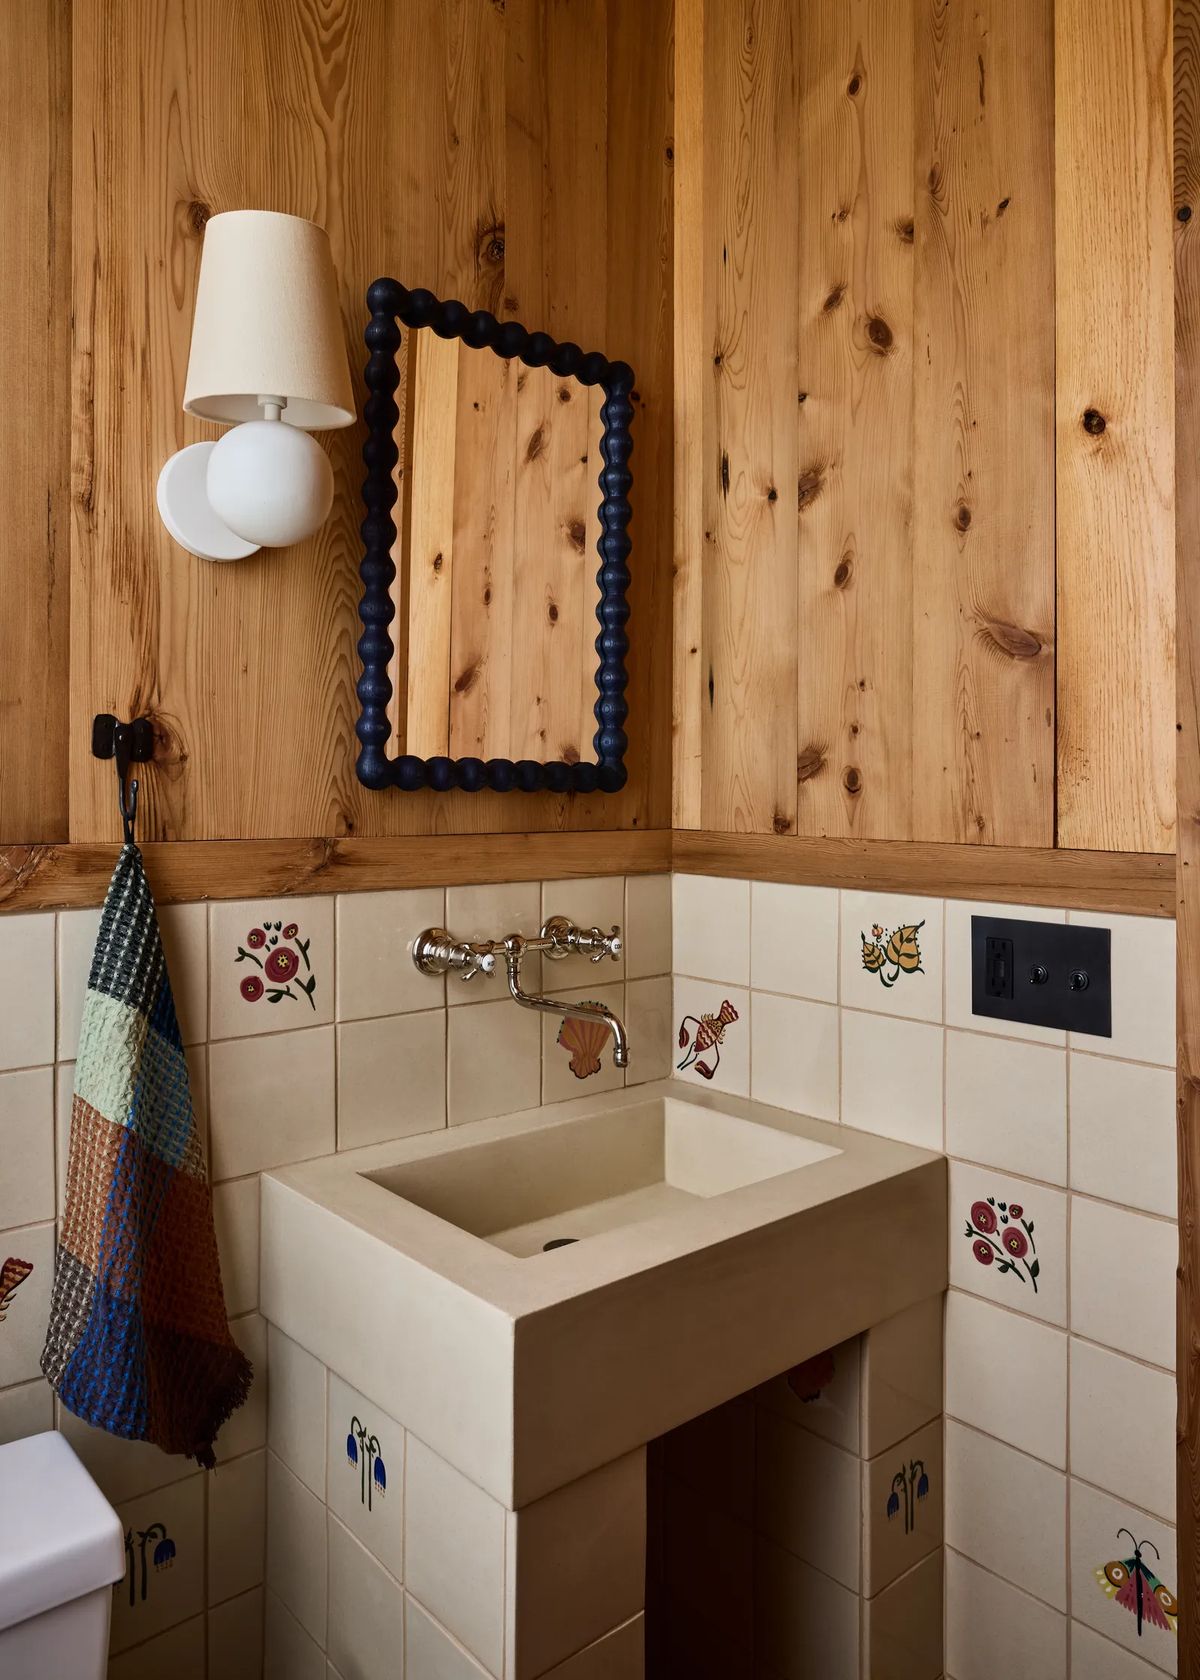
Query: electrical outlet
[1045, 974]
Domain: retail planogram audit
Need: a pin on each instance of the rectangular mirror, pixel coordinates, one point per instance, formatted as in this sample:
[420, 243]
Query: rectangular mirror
[495, 567]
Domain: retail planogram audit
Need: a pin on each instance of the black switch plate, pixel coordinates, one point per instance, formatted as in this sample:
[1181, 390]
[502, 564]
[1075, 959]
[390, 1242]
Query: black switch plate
[1045, 974]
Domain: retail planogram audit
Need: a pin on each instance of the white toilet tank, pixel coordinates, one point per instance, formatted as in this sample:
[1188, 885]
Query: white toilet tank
[61, 1549]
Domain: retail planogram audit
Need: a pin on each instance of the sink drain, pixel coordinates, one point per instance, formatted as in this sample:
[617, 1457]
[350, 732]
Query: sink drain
[558, 1242]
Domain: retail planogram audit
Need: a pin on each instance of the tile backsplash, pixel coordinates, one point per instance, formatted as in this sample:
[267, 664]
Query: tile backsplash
[308, 1030]
[1059, 1386]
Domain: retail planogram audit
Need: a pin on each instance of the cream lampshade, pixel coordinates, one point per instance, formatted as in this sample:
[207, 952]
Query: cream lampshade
[267, 348]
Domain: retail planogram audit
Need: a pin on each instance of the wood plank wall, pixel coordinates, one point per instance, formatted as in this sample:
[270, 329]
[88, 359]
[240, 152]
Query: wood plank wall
[970, 599]
[517, 155]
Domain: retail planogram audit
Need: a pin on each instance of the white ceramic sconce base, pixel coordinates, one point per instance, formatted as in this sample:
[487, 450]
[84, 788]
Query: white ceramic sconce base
[187, 513]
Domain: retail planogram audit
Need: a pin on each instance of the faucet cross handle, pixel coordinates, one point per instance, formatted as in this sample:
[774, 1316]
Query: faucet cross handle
[437, 952]
[564, 938]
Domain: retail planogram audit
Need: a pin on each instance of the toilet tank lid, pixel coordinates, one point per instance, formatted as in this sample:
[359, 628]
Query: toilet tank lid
[59, 1536]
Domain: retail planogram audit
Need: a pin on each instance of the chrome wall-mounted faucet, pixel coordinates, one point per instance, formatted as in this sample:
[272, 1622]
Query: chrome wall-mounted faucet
[437, 952]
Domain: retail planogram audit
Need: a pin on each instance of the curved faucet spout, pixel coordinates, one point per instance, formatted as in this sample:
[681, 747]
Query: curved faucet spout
[549, 1006]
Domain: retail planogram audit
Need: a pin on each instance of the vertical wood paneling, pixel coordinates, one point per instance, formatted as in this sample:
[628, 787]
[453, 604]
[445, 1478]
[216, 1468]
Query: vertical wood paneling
[983, 431]
[430, 560]
[1187, 872]
[1115, 458]
[35, 325]
[751, 180]
[853, 399]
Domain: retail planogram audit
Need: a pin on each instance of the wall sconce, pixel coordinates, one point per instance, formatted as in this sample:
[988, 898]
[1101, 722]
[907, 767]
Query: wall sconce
[267, 355]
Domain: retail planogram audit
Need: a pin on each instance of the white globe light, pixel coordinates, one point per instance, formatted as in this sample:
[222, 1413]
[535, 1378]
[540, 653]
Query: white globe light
[270, 483]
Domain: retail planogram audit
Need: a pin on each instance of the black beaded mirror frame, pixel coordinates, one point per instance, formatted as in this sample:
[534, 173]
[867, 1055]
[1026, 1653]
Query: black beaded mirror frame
[390, 303]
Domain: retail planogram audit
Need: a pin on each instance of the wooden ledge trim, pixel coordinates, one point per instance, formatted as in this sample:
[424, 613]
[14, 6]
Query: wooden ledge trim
[76, 876]
[1140, 883]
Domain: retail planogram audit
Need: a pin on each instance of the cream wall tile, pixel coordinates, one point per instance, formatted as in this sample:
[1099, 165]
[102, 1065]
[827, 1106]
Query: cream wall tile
[794, 1055]
[1008, 1512]
[367, 1495]
[27, 991]
[647, 926]
[1007, 1374]
[77, 932]
[576, 1566]
[271, 1101]
[1095, 1541]
[1143, 988]
[25, 1409]
[296, 1409]
[1015, 1258]
[289, 1653]
[366, 1611]
[235, 1216]
[834, 1411]
[235, 1638]
[1100, 1659]
[27, 1310]
[725, 1064]
[620, 1655]
[710, 928]
[297, 1550]
[1006, 1104]
[1123, 1144]
[806, 1497]
[993, 1630]
[806, 1626]
[375, 932]
[902, 1374]
[391, 1077]
[911, 986]
[570, 1069]
[294, 968]
[123, 1470]
[493, 912]
[27, 1146]
[958, 968]
[430, 1653]
[902, 1626]
[1123, 1427]
[172, 1519]
[493, 1061]
[892, 1078]
[179, 1652]
[589, 901]
[247, 1428]
[794, 940]
[902, 1524]
[648, 1023]
[454, 1552]
[1123, 1280]
[237, 1526]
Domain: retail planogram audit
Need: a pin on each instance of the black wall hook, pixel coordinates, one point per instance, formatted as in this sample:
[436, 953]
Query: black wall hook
[128, 743]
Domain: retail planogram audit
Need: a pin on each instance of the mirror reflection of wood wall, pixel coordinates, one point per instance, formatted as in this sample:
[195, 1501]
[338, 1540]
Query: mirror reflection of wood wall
[496, 588]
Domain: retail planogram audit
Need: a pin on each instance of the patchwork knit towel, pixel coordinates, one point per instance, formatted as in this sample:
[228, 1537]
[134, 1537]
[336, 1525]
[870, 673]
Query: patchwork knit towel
[138, 1342]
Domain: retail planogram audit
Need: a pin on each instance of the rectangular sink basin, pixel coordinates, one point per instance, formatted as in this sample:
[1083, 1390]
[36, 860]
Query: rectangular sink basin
[561, 1184]
[714, 1243]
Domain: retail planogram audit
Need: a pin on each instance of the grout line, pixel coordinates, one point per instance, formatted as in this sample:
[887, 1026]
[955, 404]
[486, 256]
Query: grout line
[1061, 1329]
[1067, 1189]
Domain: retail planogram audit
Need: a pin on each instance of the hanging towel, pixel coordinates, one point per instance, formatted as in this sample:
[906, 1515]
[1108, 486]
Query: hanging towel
[138, 1341]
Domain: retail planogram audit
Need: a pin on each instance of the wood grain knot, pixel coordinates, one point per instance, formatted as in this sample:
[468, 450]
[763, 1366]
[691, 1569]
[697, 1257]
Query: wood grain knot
[1184, 213]
[906, 230]
[808, 487]
[669, 154]
[467, 678]
[1094, 422]
[197, 215]
[781, 824]
[1012, 640]
[802, 396]
[536, 447]
[487, 596]
[851, 780]
[835, 297]
[854, 85]
[844, 572]
[1002, 207]
[772, 494]
[962, 517]
[879, 333]
[438, 562]
[564, 393]
[489, 244]
[577, 535]
[809, 763]
[569, 753]
[840, 214]
[552, 612]
[724, 473]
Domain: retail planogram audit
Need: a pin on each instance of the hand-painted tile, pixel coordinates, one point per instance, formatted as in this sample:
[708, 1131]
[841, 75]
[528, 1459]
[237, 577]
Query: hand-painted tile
[1123, 1565]
[1008, 1241]
[891, 954]
[903, 1506]
[26, 1278]
[271, 965]
[366, 1473]
[712, 1034]
[577, 1056]
[164, 1562]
